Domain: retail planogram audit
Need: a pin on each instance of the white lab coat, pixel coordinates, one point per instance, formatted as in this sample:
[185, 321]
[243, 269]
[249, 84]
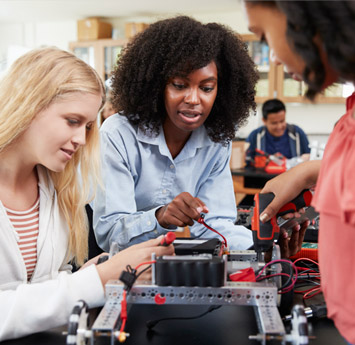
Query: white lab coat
[47, 300]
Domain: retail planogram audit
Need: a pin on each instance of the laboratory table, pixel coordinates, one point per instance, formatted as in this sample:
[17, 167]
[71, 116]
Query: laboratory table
[228, 325]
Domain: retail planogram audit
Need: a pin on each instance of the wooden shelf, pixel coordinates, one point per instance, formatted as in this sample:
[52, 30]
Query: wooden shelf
[98, 54]
[274, 83]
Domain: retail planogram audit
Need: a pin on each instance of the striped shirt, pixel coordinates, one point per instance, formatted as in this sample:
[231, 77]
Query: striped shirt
[26, 224]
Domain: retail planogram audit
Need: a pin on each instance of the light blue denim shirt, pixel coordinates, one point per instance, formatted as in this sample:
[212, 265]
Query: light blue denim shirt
[140, 176]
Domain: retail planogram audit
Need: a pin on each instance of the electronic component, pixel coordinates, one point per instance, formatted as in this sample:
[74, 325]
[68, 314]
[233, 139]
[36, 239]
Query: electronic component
[202, 278]
[315, 310]
[193, 280]
[189, 270]
[244, 216]
[191, 246]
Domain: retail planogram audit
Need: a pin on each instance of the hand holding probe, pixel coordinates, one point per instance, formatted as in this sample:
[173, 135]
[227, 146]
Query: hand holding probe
[167, 239]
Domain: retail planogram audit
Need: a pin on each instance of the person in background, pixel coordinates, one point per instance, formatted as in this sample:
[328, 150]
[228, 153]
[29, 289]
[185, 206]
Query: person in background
[182, 89]
[49, 102]
[277, 136]
[315, 42]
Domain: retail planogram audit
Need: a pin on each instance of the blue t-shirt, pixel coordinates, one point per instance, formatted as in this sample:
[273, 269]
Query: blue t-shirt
[278, 144]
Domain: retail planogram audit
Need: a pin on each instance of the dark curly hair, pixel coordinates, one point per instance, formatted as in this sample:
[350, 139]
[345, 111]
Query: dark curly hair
[334, 21]
[176, 47]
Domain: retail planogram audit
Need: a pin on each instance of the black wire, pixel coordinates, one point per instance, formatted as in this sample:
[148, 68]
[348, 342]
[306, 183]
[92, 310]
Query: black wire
[311, 271]
[307, 283]
[290, 275]
[271, 277]
[309, 265]
[151, 323]
[308, 276]
[289, 280]
[133, 272]
[146, 269]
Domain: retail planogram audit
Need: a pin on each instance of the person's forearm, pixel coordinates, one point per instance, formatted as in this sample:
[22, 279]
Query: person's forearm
[25, 309]
[308, 172]
[315, 172]
[288, 185]
[125, 229]
[302, 176]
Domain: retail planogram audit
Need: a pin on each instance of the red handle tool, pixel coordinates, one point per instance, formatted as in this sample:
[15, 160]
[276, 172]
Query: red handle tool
[264, 234]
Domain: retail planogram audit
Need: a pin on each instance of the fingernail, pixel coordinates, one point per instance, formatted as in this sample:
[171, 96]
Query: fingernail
[199, 209]
[264, 217]
[297, 228]
[206, 209]
[285, 234]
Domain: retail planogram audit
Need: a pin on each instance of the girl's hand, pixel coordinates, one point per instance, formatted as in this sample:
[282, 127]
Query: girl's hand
[92, 261]
[181, 211]
[133, 256]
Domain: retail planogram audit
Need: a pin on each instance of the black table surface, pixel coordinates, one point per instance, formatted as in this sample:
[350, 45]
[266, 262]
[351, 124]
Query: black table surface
[228, 325]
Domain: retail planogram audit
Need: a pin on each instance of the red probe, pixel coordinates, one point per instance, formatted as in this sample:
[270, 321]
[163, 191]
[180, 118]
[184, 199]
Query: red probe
[201, 220]
[168, 239]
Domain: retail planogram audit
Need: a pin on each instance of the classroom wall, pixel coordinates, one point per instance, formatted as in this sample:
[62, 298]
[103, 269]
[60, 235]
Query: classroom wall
[31, 35]
[316, 120]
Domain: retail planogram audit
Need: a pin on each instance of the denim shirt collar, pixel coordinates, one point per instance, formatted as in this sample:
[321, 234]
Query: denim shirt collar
[198, 139]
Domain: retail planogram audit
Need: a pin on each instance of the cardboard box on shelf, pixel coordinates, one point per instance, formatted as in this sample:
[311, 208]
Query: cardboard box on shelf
[93, 29]
[133, 28]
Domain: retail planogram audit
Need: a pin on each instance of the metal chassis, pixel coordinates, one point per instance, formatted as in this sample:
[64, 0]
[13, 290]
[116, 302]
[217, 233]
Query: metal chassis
[262, 296]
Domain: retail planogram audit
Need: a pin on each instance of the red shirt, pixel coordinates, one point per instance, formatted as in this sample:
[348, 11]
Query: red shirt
[335, 200]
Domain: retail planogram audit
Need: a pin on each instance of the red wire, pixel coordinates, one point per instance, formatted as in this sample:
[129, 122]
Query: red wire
[273, 275]
[300, 268]
[201, 220]
[123, 325]
[315, 291]
[306, 259]
[307, 290]
[123, 311]
[145, 263]
[311, 275]
[124, 300]
[290, 287]
[276, 262]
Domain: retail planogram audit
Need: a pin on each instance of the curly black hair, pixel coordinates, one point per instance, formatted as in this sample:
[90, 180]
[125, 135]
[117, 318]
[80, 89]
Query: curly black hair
[334, 22]
[176, 47]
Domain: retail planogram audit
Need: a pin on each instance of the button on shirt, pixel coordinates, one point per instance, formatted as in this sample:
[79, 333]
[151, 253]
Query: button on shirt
[141, 176]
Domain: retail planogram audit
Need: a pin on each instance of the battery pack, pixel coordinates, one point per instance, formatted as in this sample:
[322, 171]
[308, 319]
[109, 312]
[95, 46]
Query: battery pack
[195, 246]
[190, 270]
